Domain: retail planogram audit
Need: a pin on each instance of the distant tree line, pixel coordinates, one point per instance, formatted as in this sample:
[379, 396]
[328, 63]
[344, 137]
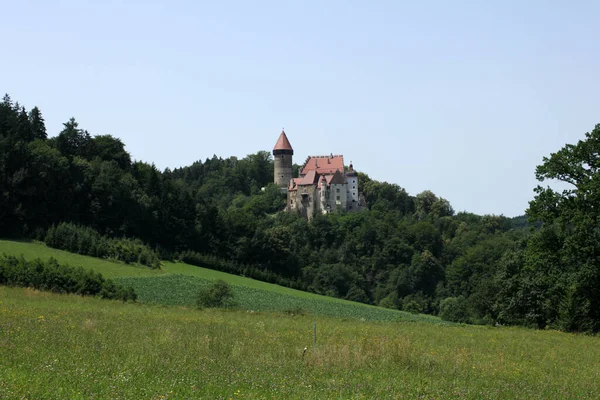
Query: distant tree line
[408, 252]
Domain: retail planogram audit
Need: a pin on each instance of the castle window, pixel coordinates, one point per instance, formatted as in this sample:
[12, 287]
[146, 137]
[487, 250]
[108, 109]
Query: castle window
[337, 190]
[337, 197]
[353, 187]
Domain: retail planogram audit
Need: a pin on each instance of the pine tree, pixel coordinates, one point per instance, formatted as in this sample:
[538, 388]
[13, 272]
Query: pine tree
[7, 101]
[38, 126]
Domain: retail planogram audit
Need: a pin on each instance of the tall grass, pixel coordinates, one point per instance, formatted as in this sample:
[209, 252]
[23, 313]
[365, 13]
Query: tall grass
[64, 346]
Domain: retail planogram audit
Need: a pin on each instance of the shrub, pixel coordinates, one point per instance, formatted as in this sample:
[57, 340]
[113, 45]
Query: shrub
[52, 276]
[454, 309]
[412, 306]
[85, 240]
[390, 301]
[252, 271]
[358, 294]
[214, 295]
[416, 304]
[294, 310]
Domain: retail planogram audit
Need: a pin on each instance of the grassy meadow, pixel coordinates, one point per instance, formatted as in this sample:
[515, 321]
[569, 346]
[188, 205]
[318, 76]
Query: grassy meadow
[65, 346]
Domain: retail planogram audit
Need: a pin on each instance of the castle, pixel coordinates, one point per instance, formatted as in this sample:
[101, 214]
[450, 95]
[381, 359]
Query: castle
[323, 185]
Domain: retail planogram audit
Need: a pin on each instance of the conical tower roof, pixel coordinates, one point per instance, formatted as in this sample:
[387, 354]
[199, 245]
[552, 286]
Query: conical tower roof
[283, 143]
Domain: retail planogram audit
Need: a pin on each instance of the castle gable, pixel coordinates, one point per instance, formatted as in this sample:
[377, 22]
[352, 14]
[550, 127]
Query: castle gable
[337, 178]
[309, 179]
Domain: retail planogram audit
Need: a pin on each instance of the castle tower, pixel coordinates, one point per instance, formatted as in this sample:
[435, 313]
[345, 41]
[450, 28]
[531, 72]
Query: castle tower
[282, 160]
[323, 186]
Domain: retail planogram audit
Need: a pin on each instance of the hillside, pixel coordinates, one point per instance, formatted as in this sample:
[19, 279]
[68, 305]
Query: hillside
[177, 284]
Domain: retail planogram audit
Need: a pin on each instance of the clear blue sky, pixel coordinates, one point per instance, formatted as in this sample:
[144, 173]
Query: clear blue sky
[463, 98]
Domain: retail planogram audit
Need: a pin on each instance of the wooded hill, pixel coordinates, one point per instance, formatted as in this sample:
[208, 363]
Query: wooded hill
[83, 192]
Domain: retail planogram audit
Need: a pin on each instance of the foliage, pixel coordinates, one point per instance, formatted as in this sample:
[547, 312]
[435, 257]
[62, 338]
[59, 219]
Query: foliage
[108, 268]
[84, 240]
[52, 276]
[454, 309]
[217, 294]
[553, 280]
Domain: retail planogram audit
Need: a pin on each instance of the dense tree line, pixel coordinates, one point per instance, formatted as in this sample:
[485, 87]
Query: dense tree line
[84, 240]
[51, 276]
[407, 252]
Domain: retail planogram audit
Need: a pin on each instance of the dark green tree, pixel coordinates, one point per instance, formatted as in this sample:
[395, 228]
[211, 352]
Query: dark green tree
[573, 217]
[72, 141]
[38, 126]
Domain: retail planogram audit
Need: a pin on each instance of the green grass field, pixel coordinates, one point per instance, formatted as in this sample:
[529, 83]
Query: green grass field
[66, 346]
[177, 284]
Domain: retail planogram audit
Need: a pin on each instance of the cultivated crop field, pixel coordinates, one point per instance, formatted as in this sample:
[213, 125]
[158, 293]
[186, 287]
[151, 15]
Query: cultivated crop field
[177, 284]
[181, 290]
[65, 346]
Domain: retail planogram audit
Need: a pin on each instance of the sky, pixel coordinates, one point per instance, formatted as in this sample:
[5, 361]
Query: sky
[462, 98]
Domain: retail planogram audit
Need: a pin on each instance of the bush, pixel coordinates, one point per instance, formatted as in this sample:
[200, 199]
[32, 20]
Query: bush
[454, 309]
[390, 301]
[254, 272]
[52, 276]
[85, 240]
[416, 304]
[412, 306]
[214, 295]
[294, 310]
[358, 294]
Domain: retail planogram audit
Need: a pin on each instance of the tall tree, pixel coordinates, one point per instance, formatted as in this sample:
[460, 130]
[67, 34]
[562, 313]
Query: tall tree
[38, 126]
[71, 141]
[574, 216]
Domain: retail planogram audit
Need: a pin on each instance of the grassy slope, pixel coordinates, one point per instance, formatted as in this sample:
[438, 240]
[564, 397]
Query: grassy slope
[177, 284]
[109, 269]
[65, 346]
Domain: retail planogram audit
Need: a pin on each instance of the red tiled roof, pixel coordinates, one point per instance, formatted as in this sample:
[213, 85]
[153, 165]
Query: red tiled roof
[294, 183]
[323, 164]
[309, 179]
[283, 143]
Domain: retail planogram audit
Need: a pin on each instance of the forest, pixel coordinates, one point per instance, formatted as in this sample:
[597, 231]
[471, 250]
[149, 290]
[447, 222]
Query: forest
[84, 193]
